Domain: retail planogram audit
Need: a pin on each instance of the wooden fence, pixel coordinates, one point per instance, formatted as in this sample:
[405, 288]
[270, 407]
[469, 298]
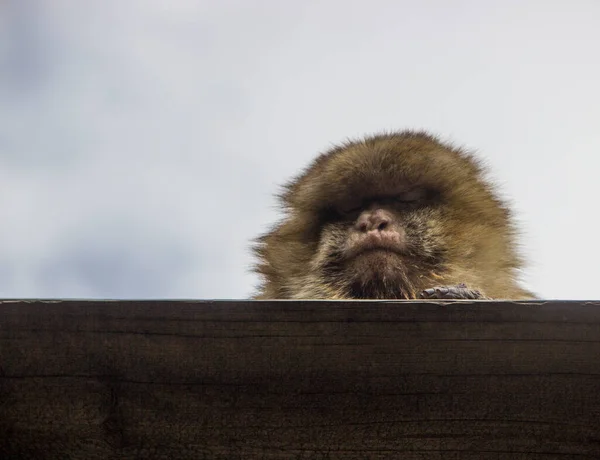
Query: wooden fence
[299, 380]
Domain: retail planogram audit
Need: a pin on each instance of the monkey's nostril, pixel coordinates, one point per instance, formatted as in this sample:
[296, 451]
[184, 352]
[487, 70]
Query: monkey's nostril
[382, 226]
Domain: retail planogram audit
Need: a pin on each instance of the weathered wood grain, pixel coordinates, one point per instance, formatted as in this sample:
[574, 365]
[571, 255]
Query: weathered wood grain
[299, 380]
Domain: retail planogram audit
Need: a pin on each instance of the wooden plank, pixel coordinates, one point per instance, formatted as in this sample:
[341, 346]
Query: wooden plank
[299, 380]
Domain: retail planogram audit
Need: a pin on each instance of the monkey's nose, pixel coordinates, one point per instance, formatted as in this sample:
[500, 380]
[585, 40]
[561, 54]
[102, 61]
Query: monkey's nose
[377, 220]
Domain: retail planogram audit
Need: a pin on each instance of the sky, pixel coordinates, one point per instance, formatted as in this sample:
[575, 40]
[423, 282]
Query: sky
[142, 141]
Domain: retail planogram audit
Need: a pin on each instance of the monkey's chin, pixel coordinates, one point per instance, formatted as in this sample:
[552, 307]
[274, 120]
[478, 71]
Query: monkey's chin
[377, 274]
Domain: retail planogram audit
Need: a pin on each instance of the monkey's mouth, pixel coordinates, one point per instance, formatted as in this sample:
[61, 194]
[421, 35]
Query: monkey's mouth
[382, 242]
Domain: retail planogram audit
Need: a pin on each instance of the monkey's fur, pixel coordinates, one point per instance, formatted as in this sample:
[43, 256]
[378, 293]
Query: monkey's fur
[393, 216]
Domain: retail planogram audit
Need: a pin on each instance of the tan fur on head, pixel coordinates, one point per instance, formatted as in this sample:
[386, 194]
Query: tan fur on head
[463, 234]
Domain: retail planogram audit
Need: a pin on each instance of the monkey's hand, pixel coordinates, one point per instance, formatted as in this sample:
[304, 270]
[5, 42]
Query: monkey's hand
[460, 291]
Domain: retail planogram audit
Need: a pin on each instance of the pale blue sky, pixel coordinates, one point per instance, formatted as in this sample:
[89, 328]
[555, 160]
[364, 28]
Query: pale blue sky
[141, 141]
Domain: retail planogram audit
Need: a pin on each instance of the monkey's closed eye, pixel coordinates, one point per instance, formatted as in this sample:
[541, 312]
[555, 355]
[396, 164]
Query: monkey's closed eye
[335, 213]
[349, 211]
[411, 196]
[350, 207]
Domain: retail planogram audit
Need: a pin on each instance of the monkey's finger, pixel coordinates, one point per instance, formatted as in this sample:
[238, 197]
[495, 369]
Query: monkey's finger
[450, 292]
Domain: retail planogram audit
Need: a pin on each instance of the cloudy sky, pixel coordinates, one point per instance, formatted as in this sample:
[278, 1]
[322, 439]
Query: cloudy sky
[141, 141]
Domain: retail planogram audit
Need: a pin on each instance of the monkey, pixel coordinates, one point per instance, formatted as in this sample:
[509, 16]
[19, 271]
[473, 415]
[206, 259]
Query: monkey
[394, 215]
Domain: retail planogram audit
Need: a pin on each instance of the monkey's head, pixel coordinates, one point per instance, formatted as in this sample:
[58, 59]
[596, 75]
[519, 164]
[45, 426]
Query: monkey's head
[386, 217]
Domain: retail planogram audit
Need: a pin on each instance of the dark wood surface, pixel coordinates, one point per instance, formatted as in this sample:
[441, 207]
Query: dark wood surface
[299, 380]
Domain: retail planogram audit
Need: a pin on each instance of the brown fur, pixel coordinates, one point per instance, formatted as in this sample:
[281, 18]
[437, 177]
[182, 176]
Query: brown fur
[464, 235]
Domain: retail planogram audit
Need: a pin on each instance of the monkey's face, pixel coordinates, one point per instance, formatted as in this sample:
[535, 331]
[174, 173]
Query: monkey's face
[378, 246]
[386, 217]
